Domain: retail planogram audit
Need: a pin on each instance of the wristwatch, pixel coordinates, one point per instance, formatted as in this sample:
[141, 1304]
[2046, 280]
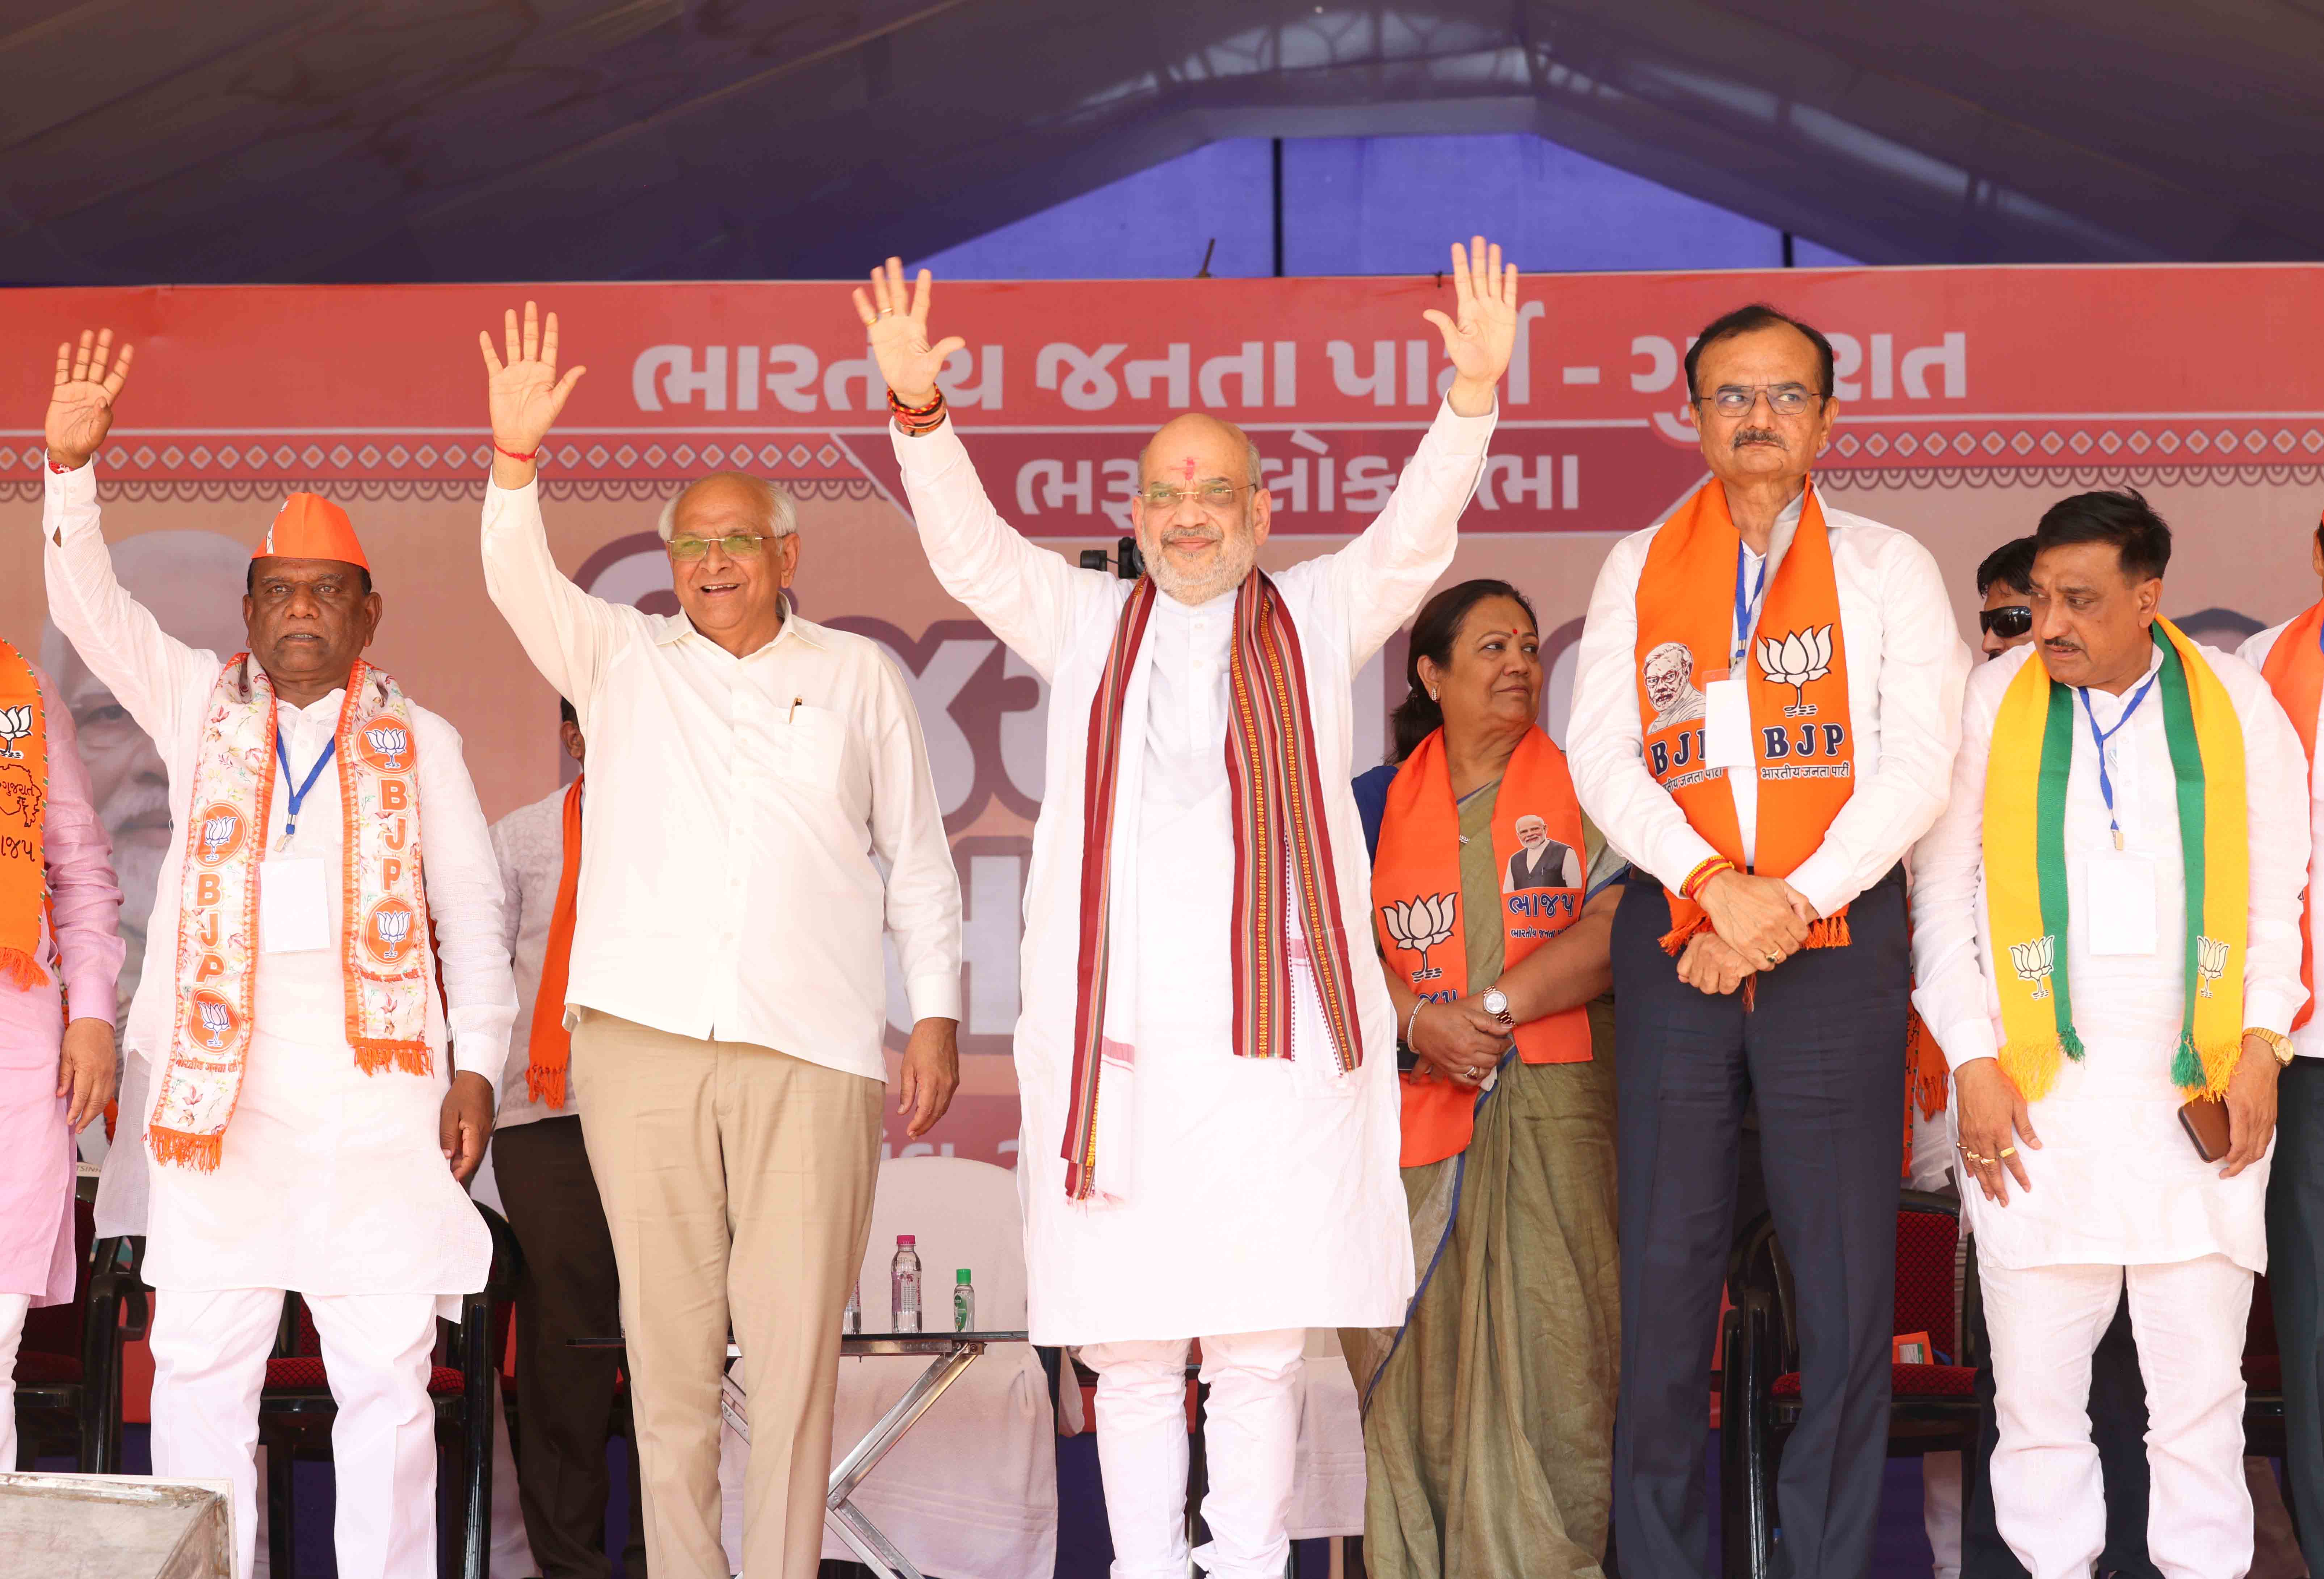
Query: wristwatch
[1497, 1004]
[2277, 1042]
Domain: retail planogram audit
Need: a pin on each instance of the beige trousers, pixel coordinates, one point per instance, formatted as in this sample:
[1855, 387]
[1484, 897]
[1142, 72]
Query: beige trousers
[737, 1183]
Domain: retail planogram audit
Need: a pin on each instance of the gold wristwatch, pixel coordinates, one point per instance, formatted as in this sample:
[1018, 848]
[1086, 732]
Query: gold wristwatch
[2277, 1042]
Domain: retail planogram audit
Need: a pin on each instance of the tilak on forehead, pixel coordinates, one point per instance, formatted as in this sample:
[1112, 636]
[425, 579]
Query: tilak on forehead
[1186, 467]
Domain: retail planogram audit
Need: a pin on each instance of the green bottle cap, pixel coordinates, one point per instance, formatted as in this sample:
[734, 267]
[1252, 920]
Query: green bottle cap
[961, 1276]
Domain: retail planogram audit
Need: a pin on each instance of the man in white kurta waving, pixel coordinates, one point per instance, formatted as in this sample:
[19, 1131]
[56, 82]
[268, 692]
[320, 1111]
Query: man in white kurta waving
[301, 1134]
[2105, 925]
[1210, 1111]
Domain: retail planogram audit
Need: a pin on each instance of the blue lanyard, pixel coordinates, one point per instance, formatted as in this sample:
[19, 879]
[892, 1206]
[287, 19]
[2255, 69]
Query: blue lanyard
[1745, 611]
[297, 798]
[2106, 782]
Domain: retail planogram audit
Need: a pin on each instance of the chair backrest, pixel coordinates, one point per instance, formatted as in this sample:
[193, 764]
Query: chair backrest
[963, 1214]
[1926, 1239]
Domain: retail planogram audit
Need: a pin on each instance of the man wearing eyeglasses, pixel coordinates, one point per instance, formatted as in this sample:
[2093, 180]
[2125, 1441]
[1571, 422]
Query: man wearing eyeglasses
[750, 774]
[1765, 837]
[2291, 656]
[1209, 1103]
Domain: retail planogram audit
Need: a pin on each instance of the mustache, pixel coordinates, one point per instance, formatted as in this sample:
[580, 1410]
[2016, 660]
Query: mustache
[1744, 436]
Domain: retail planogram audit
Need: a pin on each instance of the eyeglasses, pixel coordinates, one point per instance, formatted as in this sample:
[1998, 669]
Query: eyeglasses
[2012, 622]
[1782, 400]
[1214, 495]
[740, 546]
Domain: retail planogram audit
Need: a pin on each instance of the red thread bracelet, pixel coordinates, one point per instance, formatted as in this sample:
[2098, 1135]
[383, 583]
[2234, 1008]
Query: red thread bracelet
[512, 455]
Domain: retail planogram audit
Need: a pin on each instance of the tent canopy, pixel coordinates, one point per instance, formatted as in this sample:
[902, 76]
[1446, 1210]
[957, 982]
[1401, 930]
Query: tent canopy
[328, 140]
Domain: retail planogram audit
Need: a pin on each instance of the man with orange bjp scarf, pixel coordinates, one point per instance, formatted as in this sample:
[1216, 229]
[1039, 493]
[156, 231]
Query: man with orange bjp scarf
[1765, 715]
[304, 1132]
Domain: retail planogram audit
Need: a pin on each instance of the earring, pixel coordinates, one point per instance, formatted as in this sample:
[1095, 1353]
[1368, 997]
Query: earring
[1432, 695]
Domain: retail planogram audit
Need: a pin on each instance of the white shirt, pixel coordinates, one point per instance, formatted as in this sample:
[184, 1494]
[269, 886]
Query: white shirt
[739, 816]
[2308, 1041]
[1905, 668]
[529, 843]
[332, 1180]
[1329, 1244]
[2115, 1181]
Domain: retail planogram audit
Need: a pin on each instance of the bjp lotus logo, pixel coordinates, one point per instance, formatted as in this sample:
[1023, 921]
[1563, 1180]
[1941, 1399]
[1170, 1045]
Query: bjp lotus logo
[2211, 962]
[213, 1023]
[387, 931]
[217, 833]
[387, 746]
[1798, 658]
[1420, 924]
[2034, 962]
[15, 723]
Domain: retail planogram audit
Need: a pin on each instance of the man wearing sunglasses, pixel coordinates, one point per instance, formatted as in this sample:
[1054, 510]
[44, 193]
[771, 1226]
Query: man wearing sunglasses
[751, 772]
[2291, 656]
[2005, 581]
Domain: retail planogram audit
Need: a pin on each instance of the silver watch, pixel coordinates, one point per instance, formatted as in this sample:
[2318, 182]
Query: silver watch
[1496, 1003]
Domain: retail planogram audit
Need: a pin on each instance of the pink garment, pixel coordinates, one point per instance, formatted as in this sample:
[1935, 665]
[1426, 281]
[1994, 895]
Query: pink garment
[36, 1145]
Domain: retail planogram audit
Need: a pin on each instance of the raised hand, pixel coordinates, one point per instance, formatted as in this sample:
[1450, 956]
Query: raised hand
[1481, 334]
[80, 406]
[898, 330]
[525, 392]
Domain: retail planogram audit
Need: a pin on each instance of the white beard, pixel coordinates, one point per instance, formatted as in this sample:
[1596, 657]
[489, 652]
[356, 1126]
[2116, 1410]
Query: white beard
[1233, 568]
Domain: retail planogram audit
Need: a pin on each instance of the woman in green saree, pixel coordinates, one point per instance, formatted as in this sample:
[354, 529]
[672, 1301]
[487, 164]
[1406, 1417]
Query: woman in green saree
[1489, 1416]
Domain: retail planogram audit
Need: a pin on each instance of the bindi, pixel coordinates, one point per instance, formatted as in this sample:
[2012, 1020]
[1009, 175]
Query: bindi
[1186, 468]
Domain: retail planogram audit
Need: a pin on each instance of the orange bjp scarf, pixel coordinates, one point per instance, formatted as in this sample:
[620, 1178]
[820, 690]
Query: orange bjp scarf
[1424, 936]
[548, 1051]
[1803, 747]
[2294, 671]
[24, 806]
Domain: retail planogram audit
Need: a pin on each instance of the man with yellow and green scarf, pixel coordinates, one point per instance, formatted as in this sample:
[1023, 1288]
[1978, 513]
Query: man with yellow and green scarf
[2106, 928]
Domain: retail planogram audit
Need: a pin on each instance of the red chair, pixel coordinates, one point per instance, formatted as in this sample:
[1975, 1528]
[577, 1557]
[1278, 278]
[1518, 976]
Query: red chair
[68, 1365]
[1934, 1410]
[295, 1409]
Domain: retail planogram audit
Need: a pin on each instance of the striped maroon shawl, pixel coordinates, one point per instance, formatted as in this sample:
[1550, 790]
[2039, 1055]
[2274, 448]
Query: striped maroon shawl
[1282, 853]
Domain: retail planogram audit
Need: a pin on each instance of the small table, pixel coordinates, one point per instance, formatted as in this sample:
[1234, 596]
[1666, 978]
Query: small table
[950, 1353]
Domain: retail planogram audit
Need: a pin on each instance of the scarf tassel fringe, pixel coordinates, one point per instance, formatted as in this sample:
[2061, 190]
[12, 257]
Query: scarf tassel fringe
[20, 970]
[1829, 932]
[2034, 1070]
[2204, 1073]
[176, 1149]
[409, 1057]
[546, 1083]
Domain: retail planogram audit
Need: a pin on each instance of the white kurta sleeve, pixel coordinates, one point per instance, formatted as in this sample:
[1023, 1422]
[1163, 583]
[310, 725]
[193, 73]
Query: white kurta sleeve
[568, 634]
[161, 681]
[464, 902]
[1922, 667]
[1950, 984]
[2275, 775]
[1381, 578]
[908, 835]
[1027, 596]
[1606, 739]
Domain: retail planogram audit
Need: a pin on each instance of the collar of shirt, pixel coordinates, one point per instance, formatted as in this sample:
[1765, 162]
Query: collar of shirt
[670, 629]
[2108, 706]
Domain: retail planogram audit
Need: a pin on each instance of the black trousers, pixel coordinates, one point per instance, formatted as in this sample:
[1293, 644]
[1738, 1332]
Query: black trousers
[568, 1288]
[2295, 1279]
[2118, 1430]
[1823, 1054]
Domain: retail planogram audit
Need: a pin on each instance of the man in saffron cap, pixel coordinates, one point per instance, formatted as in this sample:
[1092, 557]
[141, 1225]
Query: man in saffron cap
[317, 1104]
[2106, 942]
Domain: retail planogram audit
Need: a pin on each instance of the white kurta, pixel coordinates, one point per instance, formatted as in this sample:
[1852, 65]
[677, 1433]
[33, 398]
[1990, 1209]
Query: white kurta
[2116, 1181]
[331, 1181]
[1266, 1194]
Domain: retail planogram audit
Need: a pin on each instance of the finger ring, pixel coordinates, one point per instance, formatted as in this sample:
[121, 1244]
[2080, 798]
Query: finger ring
[1775, 959]
[1973, 1157]
[886, 312]
[2009, 1151]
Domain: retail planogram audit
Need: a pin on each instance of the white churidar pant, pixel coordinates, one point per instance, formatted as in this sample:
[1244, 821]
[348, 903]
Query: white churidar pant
[13, 1308]
[210, 1362]
[1251, 1432]
[2048, 1498]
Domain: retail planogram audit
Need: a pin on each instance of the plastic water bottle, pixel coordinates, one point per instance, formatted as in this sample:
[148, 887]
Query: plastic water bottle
[851, 1320]
[904, 1279]
[964, 1302]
